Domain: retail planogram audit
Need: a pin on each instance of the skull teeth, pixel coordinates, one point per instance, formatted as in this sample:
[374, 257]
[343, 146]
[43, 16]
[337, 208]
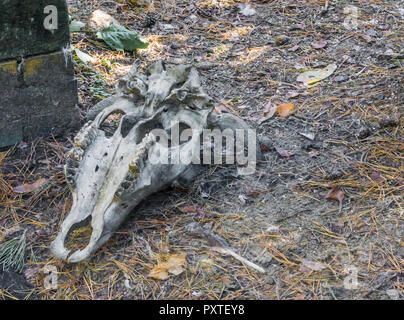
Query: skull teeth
[76, 154]
[138, 161]
[85, 136]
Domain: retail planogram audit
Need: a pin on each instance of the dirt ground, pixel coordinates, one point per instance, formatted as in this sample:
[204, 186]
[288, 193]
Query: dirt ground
[345, 136]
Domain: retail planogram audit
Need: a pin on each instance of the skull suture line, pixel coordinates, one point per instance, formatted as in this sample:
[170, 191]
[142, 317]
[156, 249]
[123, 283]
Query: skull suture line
[110, 175]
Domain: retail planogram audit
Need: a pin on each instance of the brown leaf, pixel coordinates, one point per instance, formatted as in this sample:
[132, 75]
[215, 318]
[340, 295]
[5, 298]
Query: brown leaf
[285, 109]
[159, 273]
[310, 266]
[173, 265]
[269, 110]
[283, 152]
[336, 194]
[26, 188]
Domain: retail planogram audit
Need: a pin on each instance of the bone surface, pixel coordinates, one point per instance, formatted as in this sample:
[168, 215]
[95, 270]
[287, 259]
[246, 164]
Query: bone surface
[109, 174]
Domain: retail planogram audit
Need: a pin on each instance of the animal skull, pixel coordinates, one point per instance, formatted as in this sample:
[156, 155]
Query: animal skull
[110, 175]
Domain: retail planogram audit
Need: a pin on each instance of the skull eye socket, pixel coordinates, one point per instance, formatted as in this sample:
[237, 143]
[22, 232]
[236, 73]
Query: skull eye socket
[111, 122]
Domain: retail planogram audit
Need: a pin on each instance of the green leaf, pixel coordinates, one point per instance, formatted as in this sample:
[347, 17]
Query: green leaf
[120, 38]
[76, 26]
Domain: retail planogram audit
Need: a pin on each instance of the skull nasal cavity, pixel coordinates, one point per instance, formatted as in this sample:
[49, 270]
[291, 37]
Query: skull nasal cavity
[111, 122]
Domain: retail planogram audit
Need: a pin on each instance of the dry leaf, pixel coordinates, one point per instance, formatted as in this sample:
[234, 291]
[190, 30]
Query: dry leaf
[173, 265]
[285, 109]
[270, 110]
[283, 152]
[26, 188]
[310, 266]
[336, 194]
[314, 76]
[159, 273]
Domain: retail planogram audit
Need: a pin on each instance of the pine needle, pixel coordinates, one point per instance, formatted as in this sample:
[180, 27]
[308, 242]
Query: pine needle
[12, 254]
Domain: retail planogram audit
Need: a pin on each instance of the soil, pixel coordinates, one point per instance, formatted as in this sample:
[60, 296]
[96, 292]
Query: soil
[344, 137]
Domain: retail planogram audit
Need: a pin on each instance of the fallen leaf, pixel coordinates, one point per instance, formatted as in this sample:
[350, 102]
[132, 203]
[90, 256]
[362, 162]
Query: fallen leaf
[269, 110]
[310, 266]
[173, 265]
[336, 194]
[314, 76]
[285, 109]
[120, 38]
[26, 188]
[283, 152]
[319, 45]
[83, 56]
[159, 273]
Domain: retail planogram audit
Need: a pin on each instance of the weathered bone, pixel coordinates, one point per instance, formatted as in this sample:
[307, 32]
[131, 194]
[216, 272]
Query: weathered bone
[110, 176]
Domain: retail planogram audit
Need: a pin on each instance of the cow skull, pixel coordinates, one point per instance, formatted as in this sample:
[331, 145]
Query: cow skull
[110, 175]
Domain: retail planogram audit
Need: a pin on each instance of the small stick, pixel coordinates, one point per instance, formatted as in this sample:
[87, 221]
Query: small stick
[238, 257]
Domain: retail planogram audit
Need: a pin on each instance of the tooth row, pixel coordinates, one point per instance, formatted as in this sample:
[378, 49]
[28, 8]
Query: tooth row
[140, 157]
[85, 136]
[76, 154]
[136, 164]
[81, 142]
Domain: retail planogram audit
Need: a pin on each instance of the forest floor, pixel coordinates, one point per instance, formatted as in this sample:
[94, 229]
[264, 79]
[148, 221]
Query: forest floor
[344, 140]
